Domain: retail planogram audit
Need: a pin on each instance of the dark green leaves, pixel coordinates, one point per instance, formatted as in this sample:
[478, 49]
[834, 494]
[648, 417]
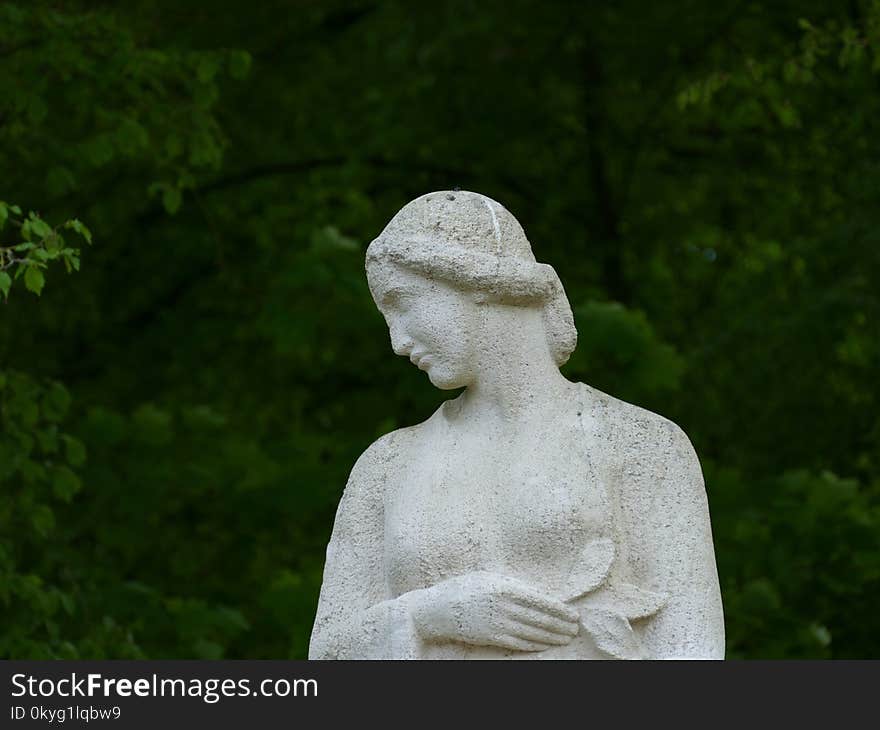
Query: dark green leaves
[65, 483]
[78, 227]
[33, 279]
[42, 244]
[74, 450]
[239, 64]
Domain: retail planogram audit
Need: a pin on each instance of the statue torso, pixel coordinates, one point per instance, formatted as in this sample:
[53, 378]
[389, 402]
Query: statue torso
[599, 503]
[522, 504]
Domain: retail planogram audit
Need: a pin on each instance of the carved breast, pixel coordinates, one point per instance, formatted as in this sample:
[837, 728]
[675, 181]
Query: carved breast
[524, 508]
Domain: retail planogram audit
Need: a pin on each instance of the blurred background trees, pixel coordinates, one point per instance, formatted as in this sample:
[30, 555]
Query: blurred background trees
[180, 415]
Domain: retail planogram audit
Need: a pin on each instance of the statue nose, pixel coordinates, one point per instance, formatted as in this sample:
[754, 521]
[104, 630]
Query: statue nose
[400, 343]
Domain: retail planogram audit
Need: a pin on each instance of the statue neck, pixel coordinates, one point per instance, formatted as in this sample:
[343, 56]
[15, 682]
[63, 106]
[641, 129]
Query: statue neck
[517, 378]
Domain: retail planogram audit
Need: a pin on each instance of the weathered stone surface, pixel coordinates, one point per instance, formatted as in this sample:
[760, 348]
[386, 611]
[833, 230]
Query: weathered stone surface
[530, 517]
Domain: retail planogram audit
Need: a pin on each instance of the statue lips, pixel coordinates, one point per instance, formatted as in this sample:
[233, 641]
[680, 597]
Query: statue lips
[421, 361]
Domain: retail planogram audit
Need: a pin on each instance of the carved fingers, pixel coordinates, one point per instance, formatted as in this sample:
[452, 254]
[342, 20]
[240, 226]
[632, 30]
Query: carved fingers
[531, 621]
[564, 627]
[539, 636]
[514, 643]
[487, 609]
[519, 593]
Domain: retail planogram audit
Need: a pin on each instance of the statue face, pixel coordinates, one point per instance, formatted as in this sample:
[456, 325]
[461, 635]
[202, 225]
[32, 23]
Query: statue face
[430, 322]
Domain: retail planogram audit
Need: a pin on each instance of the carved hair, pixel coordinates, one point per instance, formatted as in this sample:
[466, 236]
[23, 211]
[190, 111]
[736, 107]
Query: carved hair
[475, 244]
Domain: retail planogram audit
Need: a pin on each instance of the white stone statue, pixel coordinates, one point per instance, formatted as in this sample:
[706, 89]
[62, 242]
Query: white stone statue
[530, 517]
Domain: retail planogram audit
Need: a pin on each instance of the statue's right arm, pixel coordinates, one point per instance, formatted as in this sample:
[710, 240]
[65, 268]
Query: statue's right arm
[356, 618]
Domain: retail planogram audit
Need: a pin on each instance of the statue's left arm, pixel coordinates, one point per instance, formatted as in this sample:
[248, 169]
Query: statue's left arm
[671, 549]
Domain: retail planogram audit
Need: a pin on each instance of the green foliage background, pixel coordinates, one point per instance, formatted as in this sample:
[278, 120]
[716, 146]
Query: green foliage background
[180, 415]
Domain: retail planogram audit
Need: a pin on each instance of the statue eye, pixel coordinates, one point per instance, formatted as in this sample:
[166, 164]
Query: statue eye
[396, 298]
[390, 300]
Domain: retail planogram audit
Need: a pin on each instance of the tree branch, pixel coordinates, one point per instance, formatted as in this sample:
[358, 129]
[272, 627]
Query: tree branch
[650, 121]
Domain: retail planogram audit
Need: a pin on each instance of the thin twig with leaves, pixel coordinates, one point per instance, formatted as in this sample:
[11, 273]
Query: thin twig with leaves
[37, 244]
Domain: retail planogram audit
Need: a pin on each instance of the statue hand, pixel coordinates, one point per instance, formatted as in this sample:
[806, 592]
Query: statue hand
[488, 609]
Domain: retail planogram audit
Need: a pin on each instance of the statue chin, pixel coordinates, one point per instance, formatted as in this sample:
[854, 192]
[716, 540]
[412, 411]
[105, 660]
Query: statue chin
[445, 381]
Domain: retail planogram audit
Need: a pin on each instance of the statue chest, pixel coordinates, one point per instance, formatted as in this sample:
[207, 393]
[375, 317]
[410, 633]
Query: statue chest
[523, 508]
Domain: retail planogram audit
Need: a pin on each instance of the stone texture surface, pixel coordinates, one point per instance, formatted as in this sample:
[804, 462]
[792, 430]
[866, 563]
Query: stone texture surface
[530, 517]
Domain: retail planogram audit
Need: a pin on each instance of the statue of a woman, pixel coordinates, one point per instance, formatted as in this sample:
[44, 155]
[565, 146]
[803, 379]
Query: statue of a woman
[530, 517]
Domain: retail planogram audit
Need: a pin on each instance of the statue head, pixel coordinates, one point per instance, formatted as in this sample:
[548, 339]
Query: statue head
[441, 264]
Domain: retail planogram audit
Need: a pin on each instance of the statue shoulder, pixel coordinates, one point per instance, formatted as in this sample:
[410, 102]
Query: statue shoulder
[371, 469]
[641, 440]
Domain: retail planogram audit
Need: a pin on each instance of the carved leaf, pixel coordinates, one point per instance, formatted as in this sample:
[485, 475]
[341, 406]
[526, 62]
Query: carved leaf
[628, 600]
[590, 570]
[611, 632]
